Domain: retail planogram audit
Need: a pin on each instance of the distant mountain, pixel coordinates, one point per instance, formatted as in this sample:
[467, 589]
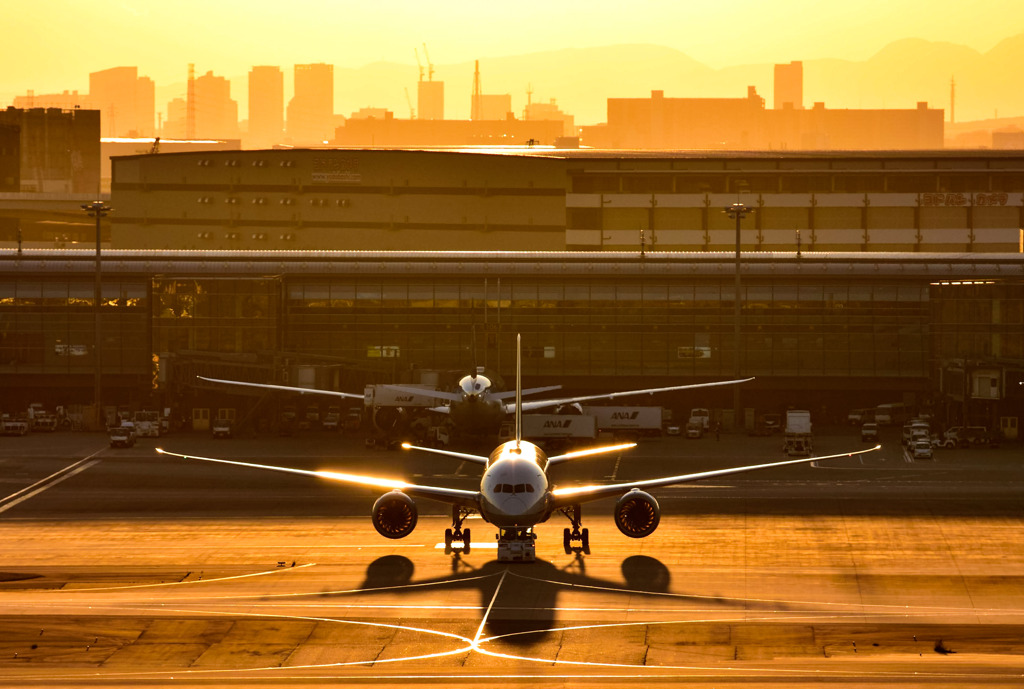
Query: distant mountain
[900, 75]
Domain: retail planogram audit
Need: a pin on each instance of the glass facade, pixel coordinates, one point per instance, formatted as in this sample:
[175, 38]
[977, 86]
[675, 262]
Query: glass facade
[221, 315]
[855, 332]
[574, 327]
[48, 326]
[978, 320]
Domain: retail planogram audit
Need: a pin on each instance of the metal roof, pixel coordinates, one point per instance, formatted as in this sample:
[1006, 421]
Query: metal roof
[942, 266]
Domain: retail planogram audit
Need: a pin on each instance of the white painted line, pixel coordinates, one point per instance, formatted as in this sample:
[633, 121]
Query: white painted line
[48, 482]
[473, 546]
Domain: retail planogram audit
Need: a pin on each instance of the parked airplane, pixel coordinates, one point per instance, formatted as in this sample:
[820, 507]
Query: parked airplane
[516, 494]
[477, 408]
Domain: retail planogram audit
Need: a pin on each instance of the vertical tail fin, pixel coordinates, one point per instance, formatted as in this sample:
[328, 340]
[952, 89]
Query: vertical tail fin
[519, 389]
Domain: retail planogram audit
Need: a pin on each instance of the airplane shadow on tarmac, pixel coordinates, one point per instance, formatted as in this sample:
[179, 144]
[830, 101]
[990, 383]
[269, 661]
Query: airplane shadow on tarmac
[523, 612]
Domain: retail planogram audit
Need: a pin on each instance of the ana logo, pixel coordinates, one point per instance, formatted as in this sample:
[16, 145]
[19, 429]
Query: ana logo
[404, 398]
[625, 415]
[558, 424]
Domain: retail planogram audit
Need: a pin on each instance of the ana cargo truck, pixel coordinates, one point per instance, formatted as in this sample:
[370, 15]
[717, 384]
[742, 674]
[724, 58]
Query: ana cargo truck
[627, 421]
[542, 426]
[798, 434]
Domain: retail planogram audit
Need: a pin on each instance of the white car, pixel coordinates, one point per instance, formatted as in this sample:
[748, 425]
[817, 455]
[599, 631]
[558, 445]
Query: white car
[922, 449]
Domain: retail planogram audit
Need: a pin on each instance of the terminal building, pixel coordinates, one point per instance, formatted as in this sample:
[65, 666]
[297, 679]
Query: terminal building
[827, 332]
[552, 200]
[865, 278]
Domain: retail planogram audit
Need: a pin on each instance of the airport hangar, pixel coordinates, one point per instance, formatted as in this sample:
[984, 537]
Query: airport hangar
[338, 268]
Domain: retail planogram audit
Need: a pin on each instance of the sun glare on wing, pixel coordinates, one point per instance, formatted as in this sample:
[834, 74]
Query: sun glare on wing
[597, 450]
[364, 480]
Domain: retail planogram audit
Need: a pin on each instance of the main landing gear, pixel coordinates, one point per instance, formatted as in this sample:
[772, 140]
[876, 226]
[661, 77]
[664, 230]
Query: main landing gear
[456, 539]
[576, 535]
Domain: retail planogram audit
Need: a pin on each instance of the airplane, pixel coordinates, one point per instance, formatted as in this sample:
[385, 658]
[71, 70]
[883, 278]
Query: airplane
[516, 494]
[478, 408]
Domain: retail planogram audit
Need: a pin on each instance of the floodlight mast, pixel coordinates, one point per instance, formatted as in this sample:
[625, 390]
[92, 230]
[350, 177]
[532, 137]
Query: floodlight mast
[737, 211]
[98, 210]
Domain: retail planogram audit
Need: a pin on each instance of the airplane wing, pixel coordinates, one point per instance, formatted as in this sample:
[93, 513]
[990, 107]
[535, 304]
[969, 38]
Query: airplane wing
[286, 388]
[476, 459]
[577, 494]
[528, 391]
[459, 396]
[541, 404]
[423, 392]
[466, 498]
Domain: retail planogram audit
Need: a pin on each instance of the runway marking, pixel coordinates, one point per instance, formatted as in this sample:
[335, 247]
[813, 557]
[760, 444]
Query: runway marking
[276, 570]
[48, 482]
[483, 621]
[640, 671]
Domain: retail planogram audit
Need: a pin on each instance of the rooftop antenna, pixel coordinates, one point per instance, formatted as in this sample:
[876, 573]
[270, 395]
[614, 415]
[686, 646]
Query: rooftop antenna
[477, 97]
[190, 106]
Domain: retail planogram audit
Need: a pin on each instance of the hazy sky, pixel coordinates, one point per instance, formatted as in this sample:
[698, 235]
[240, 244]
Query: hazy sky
[52, 45]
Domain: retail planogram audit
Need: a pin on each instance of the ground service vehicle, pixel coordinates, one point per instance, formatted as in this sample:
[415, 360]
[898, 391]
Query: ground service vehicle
[921, 449]
[220, 428]
[147, 424]
[797, 442]
[121, 436]
[332, 419]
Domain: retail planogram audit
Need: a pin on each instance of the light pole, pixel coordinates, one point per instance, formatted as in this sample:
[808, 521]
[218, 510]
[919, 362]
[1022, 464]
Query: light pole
[737, 211]
[97, 209]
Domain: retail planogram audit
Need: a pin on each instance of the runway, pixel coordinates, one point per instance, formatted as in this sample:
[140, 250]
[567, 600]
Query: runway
[775, 583]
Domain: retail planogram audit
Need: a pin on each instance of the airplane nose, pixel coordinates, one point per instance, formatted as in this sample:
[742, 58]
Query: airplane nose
[514, 505]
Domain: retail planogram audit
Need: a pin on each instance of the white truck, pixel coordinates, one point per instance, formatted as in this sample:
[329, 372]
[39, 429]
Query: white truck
[798, 434]
[701, 416]
[147, 424]
[385, 396]
[636, 420]
[541, 426]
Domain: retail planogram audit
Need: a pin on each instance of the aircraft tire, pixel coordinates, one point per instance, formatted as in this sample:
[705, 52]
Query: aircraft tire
[447, 540]
[567, 541]
[585, 541]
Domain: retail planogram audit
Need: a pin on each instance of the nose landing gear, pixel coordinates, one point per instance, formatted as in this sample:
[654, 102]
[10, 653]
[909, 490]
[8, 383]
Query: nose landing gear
[576, 535]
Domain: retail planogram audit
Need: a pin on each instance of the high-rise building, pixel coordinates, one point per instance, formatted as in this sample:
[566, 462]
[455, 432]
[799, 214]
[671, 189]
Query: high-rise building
[216, 113]
[430, 100]
[266, 106]
[789, 86]
[496, 106]
[126, 101]
[311, 109]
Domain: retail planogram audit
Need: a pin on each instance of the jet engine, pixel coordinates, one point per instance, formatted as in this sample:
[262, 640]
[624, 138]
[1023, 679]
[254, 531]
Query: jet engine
[394, 515]
[637, 514]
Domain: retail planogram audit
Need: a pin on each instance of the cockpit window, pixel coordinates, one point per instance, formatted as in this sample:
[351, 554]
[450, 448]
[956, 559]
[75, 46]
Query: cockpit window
[516, 488]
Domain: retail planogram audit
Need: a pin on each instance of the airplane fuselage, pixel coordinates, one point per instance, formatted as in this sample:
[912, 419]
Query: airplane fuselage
[514, 489]
[478, 415]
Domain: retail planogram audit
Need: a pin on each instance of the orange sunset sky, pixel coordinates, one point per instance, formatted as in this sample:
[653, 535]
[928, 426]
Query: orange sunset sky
[52, 45]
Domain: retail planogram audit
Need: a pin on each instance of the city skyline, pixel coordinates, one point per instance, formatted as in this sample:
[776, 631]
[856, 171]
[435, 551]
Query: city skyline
[77, 40]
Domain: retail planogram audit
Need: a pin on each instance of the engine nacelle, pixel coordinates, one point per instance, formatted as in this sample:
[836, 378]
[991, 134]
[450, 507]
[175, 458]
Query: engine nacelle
[394, 515]
[637, 514]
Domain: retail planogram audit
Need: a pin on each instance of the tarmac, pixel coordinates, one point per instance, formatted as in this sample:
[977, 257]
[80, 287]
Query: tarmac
[121, 567]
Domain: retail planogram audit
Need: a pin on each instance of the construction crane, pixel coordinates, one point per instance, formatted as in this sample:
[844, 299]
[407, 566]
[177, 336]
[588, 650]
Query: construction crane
[430, 66]
[418, 63]
[412, 110]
